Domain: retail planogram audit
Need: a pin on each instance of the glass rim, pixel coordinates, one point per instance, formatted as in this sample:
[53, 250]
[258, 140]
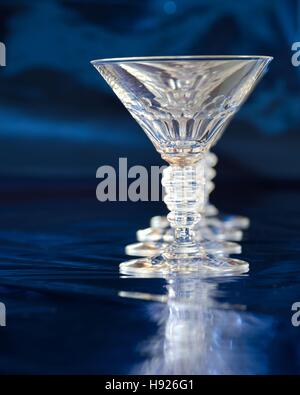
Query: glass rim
[180, 58]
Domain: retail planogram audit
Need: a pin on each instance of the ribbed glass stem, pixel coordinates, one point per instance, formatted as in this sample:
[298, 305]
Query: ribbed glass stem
[184, 197]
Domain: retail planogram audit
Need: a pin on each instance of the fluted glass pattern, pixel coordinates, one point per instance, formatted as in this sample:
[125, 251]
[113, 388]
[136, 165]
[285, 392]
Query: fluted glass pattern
[182, 104]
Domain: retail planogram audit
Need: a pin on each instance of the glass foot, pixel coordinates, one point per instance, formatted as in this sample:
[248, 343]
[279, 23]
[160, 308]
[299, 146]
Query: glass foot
[151, 234]
[220, 233]
[161, 265]
[214, 233]
[147, 248]
[211, 210]
[224, 222]
[151, 248]
[159, 222]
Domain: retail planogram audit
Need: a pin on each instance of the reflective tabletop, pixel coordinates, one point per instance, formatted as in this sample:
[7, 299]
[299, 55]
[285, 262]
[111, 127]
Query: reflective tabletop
[69, 310]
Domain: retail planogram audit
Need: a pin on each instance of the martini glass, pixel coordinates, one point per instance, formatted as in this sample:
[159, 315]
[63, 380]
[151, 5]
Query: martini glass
[183, 104]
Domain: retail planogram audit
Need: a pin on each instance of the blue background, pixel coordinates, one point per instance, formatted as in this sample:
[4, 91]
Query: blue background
[59, 119]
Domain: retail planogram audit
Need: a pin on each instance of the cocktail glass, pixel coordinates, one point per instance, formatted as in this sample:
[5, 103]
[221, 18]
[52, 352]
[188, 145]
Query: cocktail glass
[183, 104]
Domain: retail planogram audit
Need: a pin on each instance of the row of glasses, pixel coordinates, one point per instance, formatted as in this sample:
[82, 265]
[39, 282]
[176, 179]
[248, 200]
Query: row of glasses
[216, 232]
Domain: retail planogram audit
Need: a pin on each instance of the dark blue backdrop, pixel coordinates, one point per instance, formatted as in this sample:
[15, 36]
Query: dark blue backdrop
[60, 248]
[58, 118]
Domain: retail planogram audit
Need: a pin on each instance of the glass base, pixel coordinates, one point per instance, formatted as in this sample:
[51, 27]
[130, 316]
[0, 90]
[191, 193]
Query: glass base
[159, 222]
[211, 210]
[214, 233]
[151, 234]
[161, 265]
[220, 233]
[151, 248]
[212, 217]
[147, 248]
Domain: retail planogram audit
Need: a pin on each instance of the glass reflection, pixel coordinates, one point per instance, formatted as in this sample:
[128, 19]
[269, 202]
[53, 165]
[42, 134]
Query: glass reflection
[198, 333]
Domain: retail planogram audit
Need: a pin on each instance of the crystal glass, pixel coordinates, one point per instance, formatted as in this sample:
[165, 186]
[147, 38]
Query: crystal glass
[183, 104]
[213, 232]
[226, 226]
